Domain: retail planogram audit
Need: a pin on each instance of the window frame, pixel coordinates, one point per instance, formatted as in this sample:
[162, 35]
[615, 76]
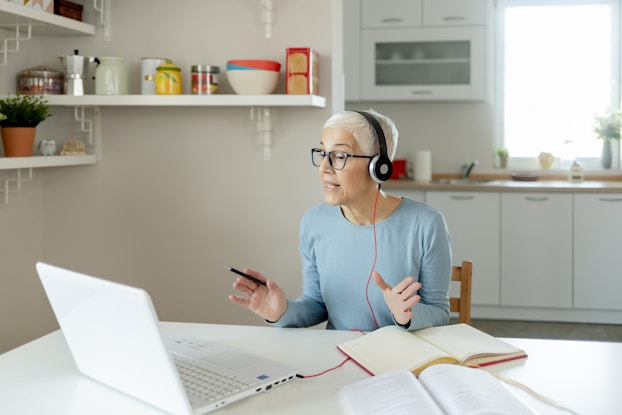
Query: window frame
[531, 163]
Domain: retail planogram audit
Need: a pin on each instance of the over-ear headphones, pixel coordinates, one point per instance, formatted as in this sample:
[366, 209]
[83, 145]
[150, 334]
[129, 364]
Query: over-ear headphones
[380, 167]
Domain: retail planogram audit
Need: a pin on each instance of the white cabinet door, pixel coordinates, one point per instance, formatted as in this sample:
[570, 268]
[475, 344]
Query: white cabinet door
[352, 49]
[598, 251]
[454, 12]
[536, 250]
[473, 221]
[423, 64]
[391, 13]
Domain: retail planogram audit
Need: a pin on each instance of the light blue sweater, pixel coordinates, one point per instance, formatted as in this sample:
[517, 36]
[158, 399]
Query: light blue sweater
[337, 259]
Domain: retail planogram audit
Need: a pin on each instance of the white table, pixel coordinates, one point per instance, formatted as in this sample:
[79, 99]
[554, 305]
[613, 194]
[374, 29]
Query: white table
[41, 378]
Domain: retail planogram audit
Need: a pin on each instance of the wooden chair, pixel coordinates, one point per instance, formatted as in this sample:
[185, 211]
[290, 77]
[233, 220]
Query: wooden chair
[462, 305]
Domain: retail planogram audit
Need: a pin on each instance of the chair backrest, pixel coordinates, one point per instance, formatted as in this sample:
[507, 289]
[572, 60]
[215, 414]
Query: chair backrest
[462, 305]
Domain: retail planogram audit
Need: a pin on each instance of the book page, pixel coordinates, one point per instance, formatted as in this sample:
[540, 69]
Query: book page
[396, 392]
[465, 342]
[461, 390]
[391, 348]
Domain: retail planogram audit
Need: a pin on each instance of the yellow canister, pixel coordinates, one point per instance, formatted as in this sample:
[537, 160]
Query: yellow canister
[168, 79]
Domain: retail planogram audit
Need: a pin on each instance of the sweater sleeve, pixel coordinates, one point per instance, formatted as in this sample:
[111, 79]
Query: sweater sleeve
[308, 309]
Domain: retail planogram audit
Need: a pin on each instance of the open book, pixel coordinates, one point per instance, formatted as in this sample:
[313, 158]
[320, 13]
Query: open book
[440, 390]
[390, 348]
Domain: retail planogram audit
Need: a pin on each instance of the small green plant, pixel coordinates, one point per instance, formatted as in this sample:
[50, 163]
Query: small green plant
[23, 110]
[607, 125]
[502, 152]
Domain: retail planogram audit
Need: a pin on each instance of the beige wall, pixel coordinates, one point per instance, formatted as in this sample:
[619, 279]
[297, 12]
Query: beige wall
[179, 192]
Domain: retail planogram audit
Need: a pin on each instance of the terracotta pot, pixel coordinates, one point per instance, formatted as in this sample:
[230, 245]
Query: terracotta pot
[18, 141]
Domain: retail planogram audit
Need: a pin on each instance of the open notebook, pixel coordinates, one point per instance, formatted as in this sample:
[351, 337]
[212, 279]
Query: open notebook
[113, 334]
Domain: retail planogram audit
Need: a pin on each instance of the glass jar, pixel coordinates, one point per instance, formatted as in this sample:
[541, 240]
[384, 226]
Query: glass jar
[168, 79]
[205, 79]
[110, 76]
[40, 80]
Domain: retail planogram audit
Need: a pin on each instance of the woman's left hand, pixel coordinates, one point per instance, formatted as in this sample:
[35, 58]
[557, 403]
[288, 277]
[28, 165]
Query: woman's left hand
[401, 298]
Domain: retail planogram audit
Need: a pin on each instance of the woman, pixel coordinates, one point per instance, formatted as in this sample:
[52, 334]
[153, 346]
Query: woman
[359, 235]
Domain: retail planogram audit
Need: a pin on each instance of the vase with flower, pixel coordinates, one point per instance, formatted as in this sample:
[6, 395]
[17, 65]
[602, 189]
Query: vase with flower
[607, 128]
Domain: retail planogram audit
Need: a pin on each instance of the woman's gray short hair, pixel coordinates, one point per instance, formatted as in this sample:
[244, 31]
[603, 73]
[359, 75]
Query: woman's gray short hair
[364, 133]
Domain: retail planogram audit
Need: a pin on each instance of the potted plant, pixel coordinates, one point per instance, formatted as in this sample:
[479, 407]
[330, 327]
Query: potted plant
[503, 155]
[607, 128]
[22, 114]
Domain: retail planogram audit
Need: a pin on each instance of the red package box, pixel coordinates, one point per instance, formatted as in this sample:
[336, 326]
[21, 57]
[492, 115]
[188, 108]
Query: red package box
[302, 71]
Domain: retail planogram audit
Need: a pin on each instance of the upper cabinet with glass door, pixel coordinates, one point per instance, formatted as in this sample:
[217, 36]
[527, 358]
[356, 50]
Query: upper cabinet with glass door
[422, 50]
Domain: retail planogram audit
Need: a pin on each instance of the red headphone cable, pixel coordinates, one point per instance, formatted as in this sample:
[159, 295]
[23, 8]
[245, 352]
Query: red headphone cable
[375, 258]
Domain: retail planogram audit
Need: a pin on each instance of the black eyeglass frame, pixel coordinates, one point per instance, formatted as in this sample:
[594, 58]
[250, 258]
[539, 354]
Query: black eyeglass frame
[330, 160]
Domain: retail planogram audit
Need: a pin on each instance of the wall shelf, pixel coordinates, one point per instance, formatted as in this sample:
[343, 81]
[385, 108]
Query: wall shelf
[222, 100]
[9, 163]
[43, 23]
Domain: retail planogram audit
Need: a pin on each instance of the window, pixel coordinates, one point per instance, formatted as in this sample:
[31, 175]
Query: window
[557, 67]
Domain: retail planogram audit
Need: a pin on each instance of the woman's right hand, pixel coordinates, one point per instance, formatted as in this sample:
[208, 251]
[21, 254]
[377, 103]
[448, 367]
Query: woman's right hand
[267, 301]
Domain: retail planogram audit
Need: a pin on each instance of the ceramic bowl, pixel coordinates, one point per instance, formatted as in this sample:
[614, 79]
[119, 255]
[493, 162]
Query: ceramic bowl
[231, 66]
[256, 64]
[257, 82]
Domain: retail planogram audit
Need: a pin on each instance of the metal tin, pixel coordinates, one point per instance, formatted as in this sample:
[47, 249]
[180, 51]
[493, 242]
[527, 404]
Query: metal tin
[148, 74]
[205, 79]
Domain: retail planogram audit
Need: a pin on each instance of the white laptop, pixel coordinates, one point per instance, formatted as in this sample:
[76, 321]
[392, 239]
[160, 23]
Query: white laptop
[113, 333]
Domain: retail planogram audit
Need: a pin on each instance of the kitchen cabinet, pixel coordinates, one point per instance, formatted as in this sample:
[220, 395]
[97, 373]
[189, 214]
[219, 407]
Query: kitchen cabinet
[536, 250]
[597, 256]
[454, 12]
[555, 243]
[416, 50]
[391, 13]
[423, 64]
[473, 222]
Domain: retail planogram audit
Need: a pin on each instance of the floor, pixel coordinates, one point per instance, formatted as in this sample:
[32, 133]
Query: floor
[546, 330]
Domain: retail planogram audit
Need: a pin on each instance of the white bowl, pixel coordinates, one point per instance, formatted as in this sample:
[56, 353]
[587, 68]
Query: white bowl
[256, 82]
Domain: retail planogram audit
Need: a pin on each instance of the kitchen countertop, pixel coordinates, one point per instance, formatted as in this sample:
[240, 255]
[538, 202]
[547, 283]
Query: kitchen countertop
[502, 185]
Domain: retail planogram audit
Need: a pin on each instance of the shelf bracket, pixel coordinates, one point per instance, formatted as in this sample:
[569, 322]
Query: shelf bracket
[264, 131]
[6, 185]
[92, 127]
[18, 36]
[266, 9]
[103, 7]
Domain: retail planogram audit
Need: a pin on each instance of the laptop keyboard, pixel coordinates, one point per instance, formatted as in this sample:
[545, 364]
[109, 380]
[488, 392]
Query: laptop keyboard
[205, 384]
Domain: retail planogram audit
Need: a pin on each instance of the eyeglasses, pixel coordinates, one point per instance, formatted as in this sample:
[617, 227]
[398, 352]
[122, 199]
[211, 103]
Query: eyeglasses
[336, 159]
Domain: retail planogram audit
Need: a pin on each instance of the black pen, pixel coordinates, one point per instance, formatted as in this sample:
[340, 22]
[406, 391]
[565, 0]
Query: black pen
[245, 275]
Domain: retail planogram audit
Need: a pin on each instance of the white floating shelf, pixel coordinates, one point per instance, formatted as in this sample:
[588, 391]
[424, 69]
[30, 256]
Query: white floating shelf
[8, 163]
[222, 100]
[43, 23]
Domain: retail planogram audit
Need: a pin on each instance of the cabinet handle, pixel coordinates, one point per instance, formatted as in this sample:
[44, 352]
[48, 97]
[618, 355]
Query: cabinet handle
[453, 18]
[610, 199]
[421, 92]
[536, 199]
[391, 20]
[455, 197]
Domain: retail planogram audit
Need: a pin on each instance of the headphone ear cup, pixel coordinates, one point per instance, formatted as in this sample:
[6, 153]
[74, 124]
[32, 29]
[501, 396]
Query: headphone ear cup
[380, 168]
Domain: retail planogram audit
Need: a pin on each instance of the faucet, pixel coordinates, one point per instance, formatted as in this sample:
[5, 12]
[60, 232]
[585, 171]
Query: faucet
[466, 169]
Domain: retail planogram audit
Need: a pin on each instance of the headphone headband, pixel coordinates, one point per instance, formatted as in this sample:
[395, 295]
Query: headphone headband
[380, 167]
[382, 142]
